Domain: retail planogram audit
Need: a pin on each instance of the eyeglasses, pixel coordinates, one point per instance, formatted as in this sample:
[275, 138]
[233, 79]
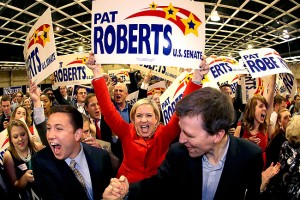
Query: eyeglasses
[81, 93]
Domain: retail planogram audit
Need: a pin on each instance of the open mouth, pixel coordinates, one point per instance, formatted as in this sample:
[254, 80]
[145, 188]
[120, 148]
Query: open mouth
[263, 117]
[118, 97]
[145, 128]
[55, 147]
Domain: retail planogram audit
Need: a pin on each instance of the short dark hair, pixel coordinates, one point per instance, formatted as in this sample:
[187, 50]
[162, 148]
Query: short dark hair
[213, 106]
[79, 87]
[225, 85]
[295, 97]
[48, 96]
[278, 99]
[47, 89]
[75, 116]
[87, 99]
[5, 98]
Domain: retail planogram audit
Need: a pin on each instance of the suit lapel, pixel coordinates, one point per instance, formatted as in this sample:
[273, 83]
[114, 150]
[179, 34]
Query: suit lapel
[92, 168]
[231, 168]
[70, 181]
[196, 177]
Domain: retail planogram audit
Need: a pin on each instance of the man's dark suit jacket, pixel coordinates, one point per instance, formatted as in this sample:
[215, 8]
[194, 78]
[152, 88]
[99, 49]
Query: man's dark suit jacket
[106, 135]
[56, 181]
[180, 176]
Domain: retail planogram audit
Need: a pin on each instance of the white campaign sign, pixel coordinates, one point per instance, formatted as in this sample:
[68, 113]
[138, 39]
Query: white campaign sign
[263, 62]
[168, 73]
[166, 33]
[40, 50]
[120, 73]
[72, 70]
[173, 94]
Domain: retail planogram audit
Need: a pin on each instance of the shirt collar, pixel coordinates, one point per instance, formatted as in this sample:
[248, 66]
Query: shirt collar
[78, 159]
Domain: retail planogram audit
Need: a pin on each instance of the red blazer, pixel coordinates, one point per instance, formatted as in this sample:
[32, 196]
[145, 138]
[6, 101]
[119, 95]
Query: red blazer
[141, 157]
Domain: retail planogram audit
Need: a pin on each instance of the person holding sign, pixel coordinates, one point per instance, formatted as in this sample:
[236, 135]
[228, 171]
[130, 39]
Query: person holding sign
[207, 163]
[145, 141]
[255, 125]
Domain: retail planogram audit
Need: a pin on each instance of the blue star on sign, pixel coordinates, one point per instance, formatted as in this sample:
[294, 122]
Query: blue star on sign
[170, 12]
[191, 25]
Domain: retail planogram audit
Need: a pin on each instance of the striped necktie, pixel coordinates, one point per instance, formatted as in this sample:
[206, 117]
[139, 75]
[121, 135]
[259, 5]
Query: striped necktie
[78, 175]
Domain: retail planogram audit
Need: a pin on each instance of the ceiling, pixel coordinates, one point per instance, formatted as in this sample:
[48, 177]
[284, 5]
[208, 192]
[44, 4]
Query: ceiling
[255, 22]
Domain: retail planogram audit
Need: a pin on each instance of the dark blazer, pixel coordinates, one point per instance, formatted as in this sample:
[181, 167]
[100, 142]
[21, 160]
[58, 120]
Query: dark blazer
[2, 117]
[180, 176]
[55, 180]
[60, 99]
[106, 135]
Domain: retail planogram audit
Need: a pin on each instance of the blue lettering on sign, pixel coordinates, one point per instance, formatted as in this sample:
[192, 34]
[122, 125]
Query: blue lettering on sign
[169, 108]
[250, 56]
[194, 54]
[70, 74]
[288, 80]
[220, 69]
[282, 62]
[157, 68]
[105, 17]
[34, 62]
[250, 83]
[125, 39]
[262, 64]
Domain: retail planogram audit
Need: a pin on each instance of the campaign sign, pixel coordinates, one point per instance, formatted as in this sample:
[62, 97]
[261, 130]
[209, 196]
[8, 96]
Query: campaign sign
[254, 86]
[264, 62]
[156, 87]
[132, 97]
[168, 73]
[120, 73]
[224, 70]
[286, 83]
[73, 70]
[4, 144]
[166, 33]
[39, 49]
[11, 90]
[222, 66]
[173, 94]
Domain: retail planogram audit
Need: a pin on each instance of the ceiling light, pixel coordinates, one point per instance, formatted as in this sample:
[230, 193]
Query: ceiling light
[285, 34]
[80, 49]
[250, 46]
[57, 28]
[215, 16]
[229, 54]
[277, 21]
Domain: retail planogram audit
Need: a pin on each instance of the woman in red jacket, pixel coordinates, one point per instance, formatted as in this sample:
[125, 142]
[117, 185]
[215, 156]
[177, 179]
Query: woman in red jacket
[145, 141]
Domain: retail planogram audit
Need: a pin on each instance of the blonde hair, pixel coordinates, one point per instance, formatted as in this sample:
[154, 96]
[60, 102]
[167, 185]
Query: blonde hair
[28, 119]
[145, 101]
[11, 147]
[292, 131]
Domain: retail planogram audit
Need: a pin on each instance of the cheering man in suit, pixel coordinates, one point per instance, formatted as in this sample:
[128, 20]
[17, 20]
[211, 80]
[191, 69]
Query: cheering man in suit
[68, 169]
[207, 163]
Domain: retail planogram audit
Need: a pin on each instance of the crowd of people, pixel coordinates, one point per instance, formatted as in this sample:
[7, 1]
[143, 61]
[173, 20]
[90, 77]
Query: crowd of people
[96, 145]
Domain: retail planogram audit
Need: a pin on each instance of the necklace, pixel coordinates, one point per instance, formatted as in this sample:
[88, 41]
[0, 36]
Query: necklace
[27, 158]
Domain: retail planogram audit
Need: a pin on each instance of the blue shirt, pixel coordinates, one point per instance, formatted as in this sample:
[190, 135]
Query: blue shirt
[83, 168]
[124, 113]
[212, 175]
